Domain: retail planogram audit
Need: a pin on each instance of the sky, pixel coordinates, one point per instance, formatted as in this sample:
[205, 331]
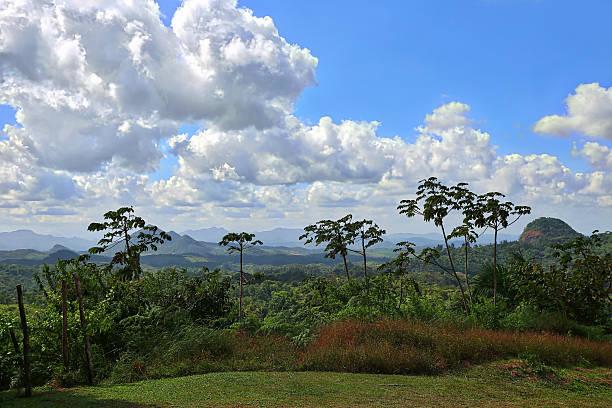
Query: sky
[264, 113]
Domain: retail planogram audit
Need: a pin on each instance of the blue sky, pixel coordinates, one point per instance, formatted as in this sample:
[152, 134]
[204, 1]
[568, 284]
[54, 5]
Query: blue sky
[512, 61]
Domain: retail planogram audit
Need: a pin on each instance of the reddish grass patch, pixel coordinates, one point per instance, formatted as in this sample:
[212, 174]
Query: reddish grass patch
[400, 347]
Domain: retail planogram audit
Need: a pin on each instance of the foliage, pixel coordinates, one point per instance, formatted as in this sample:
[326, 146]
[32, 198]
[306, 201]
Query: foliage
[120, 226]
[337, 236]
[578, 286]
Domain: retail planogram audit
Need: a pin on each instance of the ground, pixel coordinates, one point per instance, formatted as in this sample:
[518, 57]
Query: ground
[506, 384]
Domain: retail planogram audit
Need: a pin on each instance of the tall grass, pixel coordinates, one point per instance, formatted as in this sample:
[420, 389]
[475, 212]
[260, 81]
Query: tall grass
[197, 350]
[401, 347]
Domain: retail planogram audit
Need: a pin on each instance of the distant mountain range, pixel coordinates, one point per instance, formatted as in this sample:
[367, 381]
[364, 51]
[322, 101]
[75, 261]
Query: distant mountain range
[193, 240]
[197, 248]
[289, 237]
[26, 239]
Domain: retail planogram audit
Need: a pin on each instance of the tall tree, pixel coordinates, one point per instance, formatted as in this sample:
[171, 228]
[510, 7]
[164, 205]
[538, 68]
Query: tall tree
[434, 201]
[238, 243]
[336, 235]
[368, 234]
[123, 229]
[468, 234]
[489, 211]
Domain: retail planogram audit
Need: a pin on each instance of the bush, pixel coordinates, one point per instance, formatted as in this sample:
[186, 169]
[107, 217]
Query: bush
[197, 349]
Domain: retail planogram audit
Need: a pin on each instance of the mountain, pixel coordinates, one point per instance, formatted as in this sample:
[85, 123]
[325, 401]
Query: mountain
[548, 229]
[57, 248]
[185, 244]
[26, 239]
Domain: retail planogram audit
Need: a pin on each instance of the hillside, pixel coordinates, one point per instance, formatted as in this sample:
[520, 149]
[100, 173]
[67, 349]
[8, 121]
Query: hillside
[547, 229]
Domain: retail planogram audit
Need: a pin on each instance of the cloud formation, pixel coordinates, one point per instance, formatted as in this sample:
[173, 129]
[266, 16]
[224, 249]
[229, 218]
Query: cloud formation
[100, 86]
[102, 83]
[589, 112]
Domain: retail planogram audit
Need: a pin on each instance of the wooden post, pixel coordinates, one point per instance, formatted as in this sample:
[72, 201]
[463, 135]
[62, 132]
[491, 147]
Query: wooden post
[27, 375]
[17, 352]
[14, 341]
[65, 350]
[88, 360]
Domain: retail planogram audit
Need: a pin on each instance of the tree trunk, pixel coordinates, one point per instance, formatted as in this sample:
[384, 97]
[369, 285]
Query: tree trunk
[450, 259]
[348, 277]
[401, 293]
[241, 282]
[65, 355]
[467, 276]
[495, 268]
[88, 359]
[365, 269]
[27, 374]
[417, 288]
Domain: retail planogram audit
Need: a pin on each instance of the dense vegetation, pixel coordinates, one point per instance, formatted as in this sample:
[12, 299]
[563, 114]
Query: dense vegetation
[420, 311]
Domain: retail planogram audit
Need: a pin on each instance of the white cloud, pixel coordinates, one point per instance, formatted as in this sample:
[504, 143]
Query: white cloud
[104, 82]
[598, 155]
[589, 111]
[447, 116]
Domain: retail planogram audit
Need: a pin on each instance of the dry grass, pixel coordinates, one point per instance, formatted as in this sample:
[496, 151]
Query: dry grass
[400, 347]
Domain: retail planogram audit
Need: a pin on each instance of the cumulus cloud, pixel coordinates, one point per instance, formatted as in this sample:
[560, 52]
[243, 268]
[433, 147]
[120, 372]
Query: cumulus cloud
[589, 111]
[447, 116]
[104, 82]
[598, 155]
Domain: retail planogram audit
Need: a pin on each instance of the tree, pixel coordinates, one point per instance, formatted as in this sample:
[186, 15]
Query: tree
[489, 211]
[337, 235]
[369, 234]
[465, 231]
[437, 201]
[120, 226]
[399, 267]
[464, 201]
[238, 243]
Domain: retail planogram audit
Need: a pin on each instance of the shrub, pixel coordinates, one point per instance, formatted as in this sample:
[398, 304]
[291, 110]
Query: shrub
[197, 349]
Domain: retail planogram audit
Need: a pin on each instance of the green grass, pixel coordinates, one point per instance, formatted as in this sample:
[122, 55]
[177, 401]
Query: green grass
[502, 384]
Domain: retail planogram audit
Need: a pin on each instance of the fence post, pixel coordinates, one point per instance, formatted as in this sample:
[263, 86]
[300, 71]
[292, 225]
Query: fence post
[27, 375]
[65, 350]
[90, 372]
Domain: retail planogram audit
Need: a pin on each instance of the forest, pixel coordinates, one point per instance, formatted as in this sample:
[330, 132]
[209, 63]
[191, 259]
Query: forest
[545, 299]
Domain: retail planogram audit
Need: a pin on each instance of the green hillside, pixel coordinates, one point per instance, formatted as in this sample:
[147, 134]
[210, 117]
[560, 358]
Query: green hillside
[548, 229]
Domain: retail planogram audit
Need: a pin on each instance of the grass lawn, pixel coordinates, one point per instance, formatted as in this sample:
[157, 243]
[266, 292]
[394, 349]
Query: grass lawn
[500, 384]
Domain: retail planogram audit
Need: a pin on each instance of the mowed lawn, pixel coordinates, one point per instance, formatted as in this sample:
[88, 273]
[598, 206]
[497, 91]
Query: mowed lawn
[491, 386]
